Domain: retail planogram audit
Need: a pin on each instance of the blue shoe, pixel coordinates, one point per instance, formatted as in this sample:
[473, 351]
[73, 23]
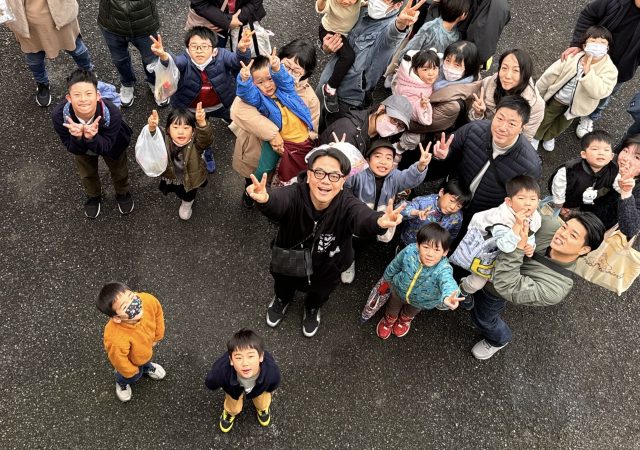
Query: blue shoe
[208, 158]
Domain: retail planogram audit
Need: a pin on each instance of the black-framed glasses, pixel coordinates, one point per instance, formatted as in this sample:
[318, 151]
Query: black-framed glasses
[320, 174]
[198, 48]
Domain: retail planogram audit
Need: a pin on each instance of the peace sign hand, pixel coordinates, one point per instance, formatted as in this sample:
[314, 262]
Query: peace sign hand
[335, 137]
[441, 149]
[452, 301]
[275, 61]
[391, 217]
[245, 42]
[201, 116]
[90, 131]
[153, 121]
[235, 20]
[409, 15]
[478, 104]
[245, 71]
[157, 48]
[258, 189]
[425, 157]
[75, 129]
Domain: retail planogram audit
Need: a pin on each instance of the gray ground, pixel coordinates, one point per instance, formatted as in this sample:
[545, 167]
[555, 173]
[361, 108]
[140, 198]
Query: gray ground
[568, 379]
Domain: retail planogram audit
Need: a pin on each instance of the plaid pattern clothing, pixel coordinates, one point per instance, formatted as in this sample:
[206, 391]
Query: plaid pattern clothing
[412, 224]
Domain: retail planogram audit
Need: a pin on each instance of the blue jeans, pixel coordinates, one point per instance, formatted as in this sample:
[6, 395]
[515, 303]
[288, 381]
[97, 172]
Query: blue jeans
[121, 58]
[141, 371]
[486, 317]
[634, 110]
[597, 114]
[35, 61]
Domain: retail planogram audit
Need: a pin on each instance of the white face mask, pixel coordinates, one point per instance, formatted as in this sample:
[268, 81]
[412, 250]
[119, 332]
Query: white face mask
[596, 50]
[377, 9]
[451, 73]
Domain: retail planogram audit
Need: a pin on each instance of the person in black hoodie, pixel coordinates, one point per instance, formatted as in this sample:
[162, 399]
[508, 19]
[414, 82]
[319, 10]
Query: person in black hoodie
[316, 214]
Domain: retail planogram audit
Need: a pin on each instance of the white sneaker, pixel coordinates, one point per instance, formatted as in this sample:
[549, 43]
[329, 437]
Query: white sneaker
[348, 275]
[483, 350]
[185, 210]
[585, 126]
[535, 143]
[126, 96]
[123, 393]
[549, 145]
[158, 372]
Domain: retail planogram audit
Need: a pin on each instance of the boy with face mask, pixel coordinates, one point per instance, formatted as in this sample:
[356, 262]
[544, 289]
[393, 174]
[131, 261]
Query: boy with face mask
[136, 325]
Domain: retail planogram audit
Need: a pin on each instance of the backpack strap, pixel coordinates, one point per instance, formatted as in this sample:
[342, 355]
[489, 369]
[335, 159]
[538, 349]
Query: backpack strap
[553, 266]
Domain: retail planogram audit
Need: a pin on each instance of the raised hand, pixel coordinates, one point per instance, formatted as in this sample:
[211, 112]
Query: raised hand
[452, 301]
[331, 43]
[409, 15]
[569, 53]
[245, 42]
[90, 131]
[158, 49]
[335, 137]
[424, 213]
[586, 65]
[201, 116]
[391, 217]
[441, 149]
[235, 20]
[626, 186]
[524, 231]
[258, 189]
[75, 129]
[478, 104]
[153, 121]
[245, 70]
[274, 60]
[425, 157]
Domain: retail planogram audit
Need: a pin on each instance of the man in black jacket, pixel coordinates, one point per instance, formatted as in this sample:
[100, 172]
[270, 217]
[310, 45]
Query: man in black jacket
[124, 22]
[622, 19]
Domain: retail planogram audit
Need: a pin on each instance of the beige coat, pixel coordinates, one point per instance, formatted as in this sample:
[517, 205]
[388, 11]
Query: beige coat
[591, 88]
[63, 13]
[530, 94]
[252, 128]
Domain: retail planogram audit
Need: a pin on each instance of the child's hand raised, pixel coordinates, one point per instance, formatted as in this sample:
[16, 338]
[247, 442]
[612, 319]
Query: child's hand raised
[153, 121]
[201, 116]
[452, 301]
[158, 49]
[75, 129]
[245, 71]
[275, 61]
[391, 217]
[245, 42]
[258, 189]
[90, 131]
[425, 157]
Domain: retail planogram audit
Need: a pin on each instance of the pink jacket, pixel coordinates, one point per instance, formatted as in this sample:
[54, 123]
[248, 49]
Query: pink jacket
[408, 84]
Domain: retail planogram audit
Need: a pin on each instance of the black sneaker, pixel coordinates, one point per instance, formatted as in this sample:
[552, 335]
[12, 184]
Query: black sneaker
[311, 321]
[43, 96]
[330, 101]
[264, 417]
[275, 312]
[247, 201]
[125, 203]
[226, 421]
[92, 207]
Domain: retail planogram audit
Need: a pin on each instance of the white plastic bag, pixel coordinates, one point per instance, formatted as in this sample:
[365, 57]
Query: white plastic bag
[261, 35]
[358, 163]
[167, 79]
[6, 15]
[151, 153]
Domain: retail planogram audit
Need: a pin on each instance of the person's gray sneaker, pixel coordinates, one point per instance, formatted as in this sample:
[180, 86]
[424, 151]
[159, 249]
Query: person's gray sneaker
[483, 350]
[126, 96]
[276, 311]
[123, 392]
[92, 207]
[157, 373]
[310, 321]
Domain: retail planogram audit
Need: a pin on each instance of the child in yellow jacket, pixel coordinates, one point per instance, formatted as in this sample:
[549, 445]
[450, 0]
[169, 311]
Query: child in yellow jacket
[135, 327]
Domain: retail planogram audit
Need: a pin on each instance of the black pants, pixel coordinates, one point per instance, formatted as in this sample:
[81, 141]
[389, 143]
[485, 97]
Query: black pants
[178, 189]
[346, 57]
[317, 293]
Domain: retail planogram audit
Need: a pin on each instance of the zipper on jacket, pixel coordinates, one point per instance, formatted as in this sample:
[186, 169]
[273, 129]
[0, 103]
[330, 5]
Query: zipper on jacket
[413, 282]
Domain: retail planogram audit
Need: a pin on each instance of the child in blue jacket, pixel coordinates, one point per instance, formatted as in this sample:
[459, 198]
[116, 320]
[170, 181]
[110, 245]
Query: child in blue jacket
[420, 277]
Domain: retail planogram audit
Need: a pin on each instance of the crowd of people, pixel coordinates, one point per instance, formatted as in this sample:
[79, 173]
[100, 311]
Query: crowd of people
[338, 172]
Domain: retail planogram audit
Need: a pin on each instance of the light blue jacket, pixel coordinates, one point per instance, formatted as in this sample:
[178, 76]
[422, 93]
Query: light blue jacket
[420, 286]
[374, 42]
[363, 184]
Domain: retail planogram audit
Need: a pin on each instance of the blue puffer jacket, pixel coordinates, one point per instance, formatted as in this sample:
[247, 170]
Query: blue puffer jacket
[420, 286]
[221, 72]
[285, 92]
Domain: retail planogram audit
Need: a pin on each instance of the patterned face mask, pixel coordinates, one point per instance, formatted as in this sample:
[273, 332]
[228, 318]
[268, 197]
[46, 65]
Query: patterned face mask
[134, 308]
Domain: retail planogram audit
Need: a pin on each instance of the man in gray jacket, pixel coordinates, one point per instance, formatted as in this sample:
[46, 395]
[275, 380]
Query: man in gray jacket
[543, 280]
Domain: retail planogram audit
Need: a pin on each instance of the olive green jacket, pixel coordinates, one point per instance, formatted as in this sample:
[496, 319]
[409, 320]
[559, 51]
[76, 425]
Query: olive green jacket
[195, 170]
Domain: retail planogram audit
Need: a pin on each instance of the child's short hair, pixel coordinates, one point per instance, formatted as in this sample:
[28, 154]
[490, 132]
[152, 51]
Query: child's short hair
[433, 232]
[522, 183]
[461, 192]
[303, 52]
[595, 135]
[243, 340]
[333, 152]
[450, 10]
[201, 32]
[82, 76]
[467, 52]
[423, 58]
[180, 116]
[595, 32]
[108, 295]
[260, 62]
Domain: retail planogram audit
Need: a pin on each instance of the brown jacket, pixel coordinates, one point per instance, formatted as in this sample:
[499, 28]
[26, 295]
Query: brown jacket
[195, 171]
[63, 13]
[252, 128]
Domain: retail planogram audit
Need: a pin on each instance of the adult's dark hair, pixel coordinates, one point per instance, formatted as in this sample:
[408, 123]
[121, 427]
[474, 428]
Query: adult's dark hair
[522, 183]
[423, 58]
[461, 192]
[517, 104]
[594, 226]
[260, 62]
[595, 32]
[303, 53]
[434, 233]
[332, 152]
[108, 294]
[595, 135]
[466, 52]
[180, 116]
[201, 32]
[525, 63]
[450, 10]
[82, 76]
[244, 340]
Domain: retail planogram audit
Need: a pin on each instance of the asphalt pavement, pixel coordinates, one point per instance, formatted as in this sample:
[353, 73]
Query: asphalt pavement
[567, 380]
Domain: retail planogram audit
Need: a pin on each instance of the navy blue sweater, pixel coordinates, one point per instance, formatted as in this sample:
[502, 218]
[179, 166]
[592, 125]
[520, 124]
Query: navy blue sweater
[223, 375]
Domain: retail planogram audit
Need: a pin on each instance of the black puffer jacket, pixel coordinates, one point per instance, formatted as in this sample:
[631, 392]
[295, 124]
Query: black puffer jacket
[251, 11]
[472, 148]
[129, 17]
[354, 124]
